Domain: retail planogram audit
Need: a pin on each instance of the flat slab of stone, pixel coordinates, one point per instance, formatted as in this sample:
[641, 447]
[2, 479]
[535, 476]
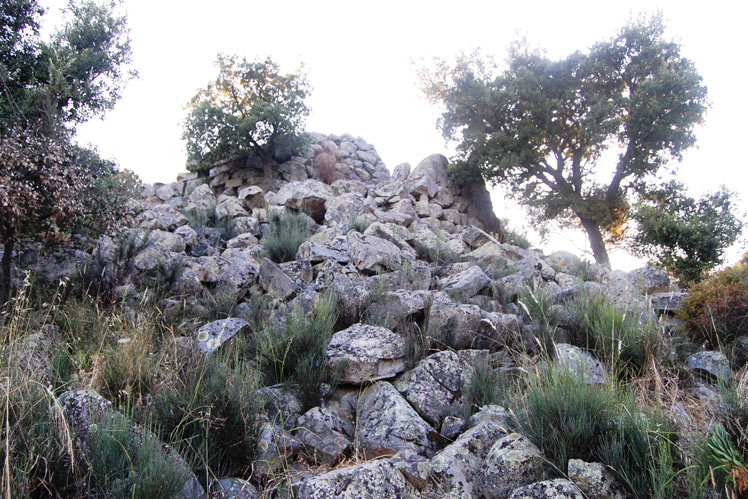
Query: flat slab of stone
[369, 353]
[214, 334]
[711, 363]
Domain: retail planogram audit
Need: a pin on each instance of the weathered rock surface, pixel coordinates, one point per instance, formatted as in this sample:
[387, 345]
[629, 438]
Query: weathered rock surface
[387, 424]
[368, 353]
[376, 479]
[711, 364]
[371, 254]
[322, 433]
[580, 363]
[211, 336]
[548, 489]
[595, 480]
[435, 386]
[512, 462]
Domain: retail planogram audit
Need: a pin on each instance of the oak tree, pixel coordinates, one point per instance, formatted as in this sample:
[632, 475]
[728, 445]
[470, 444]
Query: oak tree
[542, 126]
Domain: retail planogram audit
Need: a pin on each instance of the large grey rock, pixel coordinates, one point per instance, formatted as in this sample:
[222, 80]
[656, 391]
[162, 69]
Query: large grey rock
[316, 253]
[649, 279]
[370, 253]
[436, 385]
[236, 488]
[457, 467]
[213, 335]
[429, 176]
[549, 489]
[282, 407]
[393, 307]
[667, 302]
[252, 197]
[367, 352]
[580, 363]
[340, 210]
[201, 200]
[375, 479]
[241, 269]
[230, 208]
[309, 196]
[512, 462]
[467, 326]
[323, 434]
[275, 281]
[466, 284]
[595, 480]
[712, 364]
[275, 450]
[162, 217]
[167, 240]
[387, 424]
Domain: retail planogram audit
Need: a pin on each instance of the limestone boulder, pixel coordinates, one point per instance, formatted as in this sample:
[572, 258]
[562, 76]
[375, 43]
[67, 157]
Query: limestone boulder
[457, 467]
[371, 253]
[461, 326]
[466, 284]
[387, 424]
[595, 480]
[580, 363]
[372, 479]
[548, 489]
[429, 176]
[711, 364]
[275, 450]
[201, 200]
[275, 282]
[309, 196]
[512, 462]
[367, 353]
[252, 197]
[436, 385]
[322, 433]
[163, 217]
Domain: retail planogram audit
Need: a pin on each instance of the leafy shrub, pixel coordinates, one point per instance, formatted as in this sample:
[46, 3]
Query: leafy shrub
[294, 351]
[287, 232]
[687, 237]
[250, 109]
[129, 464]
[716, 309]
[326, 165]
[721, 465]
[212, 417]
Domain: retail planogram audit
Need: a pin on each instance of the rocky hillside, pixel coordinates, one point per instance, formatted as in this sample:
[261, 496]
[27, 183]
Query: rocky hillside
[426, 300]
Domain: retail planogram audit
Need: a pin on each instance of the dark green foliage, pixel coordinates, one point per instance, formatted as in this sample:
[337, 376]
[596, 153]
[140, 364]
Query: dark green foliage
[721, 465]
[640, 448]
[294, 351]
[212, 417]
[687, 237]
[130, 463]
[287, 231]
[541, 126]
[251, 109]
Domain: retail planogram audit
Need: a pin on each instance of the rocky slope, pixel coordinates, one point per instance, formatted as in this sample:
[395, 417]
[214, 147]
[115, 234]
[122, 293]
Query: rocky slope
[397, 422]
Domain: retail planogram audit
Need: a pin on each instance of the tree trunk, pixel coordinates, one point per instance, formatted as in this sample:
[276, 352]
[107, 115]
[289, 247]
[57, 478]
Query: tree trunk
[596, 241]
[5, 271]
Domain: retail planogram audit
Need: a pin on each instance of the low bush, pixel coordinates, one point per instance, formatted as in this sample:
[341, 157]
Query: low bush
[294, 351]
[287, 232]
[130, 464]
[212, 417]
[569, 419]
[359, 224]
[625, 341]
[716, 309]
[485, 388]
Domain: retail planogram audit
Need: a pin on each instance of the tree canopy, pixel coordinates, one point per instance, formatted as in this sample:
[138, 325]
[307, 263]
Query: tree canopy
[684, 235]
[542, 126]
[46, 88]
[250, 109]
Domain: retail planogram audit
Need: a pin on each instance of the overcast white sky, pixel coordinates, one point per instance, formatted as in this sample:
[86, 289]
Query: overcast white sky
[359, 59]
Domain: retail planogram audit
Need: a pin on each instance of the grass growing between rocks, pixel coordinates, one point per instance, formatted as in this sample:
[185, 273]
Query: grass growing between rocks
[287, 231]
[294, 351]
[569, 419]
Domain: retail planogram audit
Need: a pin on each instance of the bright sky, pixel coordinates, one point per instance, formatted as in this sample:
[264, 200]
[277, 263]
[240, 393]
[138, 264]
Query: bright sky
[359, 57]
